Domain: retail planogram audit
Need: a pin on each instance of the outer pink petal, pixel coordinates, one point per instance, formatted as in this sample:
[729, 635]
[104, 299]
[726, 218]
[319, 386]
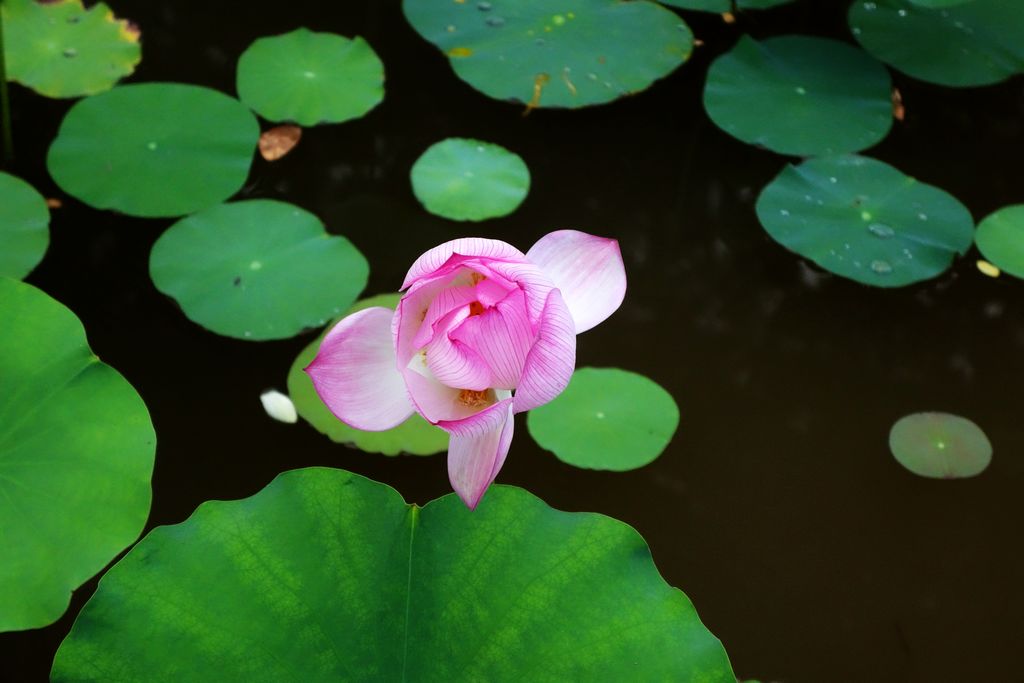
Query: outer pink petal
[466, 246]
[502, 336]
[588, 270]
[477, 451]
[452, 362]
[552, 359]
[355, 375]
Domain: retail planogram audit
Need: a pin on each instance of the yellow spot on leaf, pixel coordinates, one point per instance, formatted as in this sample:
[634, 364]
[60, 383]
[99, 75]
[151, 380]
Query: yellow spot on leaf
[460, 52]
[539, 81]
[568, 83]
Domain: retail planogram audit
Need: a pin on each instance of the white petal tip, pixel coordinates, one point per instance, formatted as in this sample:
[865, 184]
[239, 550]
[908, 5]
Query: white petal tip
[279, 406]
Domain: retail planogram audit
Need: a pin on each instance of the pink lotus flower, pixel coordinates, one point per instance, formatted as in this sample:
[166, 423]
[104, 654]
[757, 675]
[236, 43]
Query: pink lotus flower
[482, 332]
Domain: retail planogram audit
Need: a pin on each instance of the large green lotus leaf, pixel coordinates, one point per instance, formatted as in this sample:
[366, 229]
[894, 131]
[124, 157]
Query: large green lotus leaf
[940, 445]
[310, 78]
[760, 4]
[800, 95]
[933, 4]
[24, 227]
[1000, 237]
[154, 149]
[257, 269]
[327, 576]
[606, 419]
[722, 6]
[415, 436]
[865, 220]
[61, 49]
[76, 457]
[974, 43]
[571, 54]
[469, 180]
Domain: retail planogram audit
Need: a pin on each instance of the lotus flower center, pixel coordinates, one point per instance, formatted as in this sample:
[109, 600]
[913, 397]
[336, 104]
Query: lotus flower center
[475, 308]
[475, 399]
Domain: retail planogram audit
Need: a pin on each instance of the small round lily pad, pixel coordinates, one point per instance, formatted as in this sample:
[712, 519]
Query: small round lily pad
[606, 419]
[415, 436]
[310, 77]
[940, 445]
[470, 180]
[570, 54]
[76, 458]
[865, 220]
[24, 227]
[154, 149]
[800, 95]
[1000, 238]
[967, 44]
[62, 49]
[257, 269]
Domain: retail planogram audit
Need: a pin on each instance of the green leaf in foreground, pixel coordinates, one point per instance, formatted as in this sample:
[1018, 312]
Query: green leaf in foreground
[800, 95]
[973, 43]
[327, 576]
[154, 149]
[573, 54]
[940, 445]
[24, 227]
[310, 77]
[257, 269]
[865, 220]
[1000, 238]
[469, 180]
[62, 49]
[415, 436]
[606, 419]
[76, 457]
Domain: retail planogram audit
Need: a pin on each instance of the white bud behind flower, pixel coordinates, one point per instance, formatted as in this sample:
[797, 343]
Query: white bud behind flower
[279, 406]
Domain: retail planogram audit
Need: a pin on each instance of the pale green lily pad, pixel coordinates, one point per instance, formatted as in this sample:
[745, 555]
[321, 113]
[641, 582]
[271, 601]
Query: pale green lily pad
[24, 227]
[62, 49]
[415, 436]
[573, 54]
[76, 457]
[310, 78]
[800, 95]
[722, 6]
[470, 180]
[1000, 238]
[327, 576]
[154, 149]
[865, 220]
[938, 4]
[975, 43]
[940, 445]
[606, 419]
[257, 269]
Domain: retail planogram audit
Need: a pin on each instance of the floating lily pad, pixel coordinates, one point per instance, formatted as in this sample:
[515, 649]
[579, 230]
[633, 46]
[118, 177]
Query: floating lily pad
[760, 4]
[155, 149]
[470, 180]
[76, 457]
[934, 4]
[723, 6]
[573, 54]
[415, 436]
[606, 419]
[1000, 238]
[865, 220]
[310, 78]
[974, 43]
[257, 269]
[800, 95]
[62, 49]
[940, 445]
[327, 576]
[24, 227]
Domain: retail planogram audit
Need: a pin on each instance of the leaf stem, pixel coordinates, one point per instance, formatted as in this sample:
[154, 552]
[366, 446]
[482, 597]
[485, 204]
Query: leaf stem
[6, 140]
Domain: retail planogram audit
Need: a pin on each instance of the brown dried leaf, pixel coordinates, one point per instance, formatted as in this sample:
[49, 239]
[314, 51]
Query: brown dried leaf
[279, 140]
[53, 203]
[898, 110]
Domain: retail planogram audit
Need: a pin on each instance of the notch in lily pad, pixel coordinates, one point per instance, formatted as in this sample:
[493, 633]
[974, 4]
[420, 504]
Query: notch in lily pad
[470, 180]
[257, 269]
[24, 227]
[415, 436]
[1000, 238]
[606, 419]
[940, 445]
[864, 220]
[310, 78]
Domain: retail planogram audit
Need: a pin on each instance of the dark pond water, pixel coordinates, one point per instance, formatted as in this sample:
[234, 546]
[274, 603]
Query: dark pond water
[777, 508]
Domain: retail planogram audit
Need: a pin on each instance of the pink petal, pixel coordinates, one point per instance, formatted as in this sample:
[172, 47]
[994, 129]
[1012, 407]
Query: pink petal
[588, 270]
[501, 336]
[452, 362]
[466, 246]
[444, 303]
[355, 375]
[550, 362]
[531, 279]
[477, 451]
